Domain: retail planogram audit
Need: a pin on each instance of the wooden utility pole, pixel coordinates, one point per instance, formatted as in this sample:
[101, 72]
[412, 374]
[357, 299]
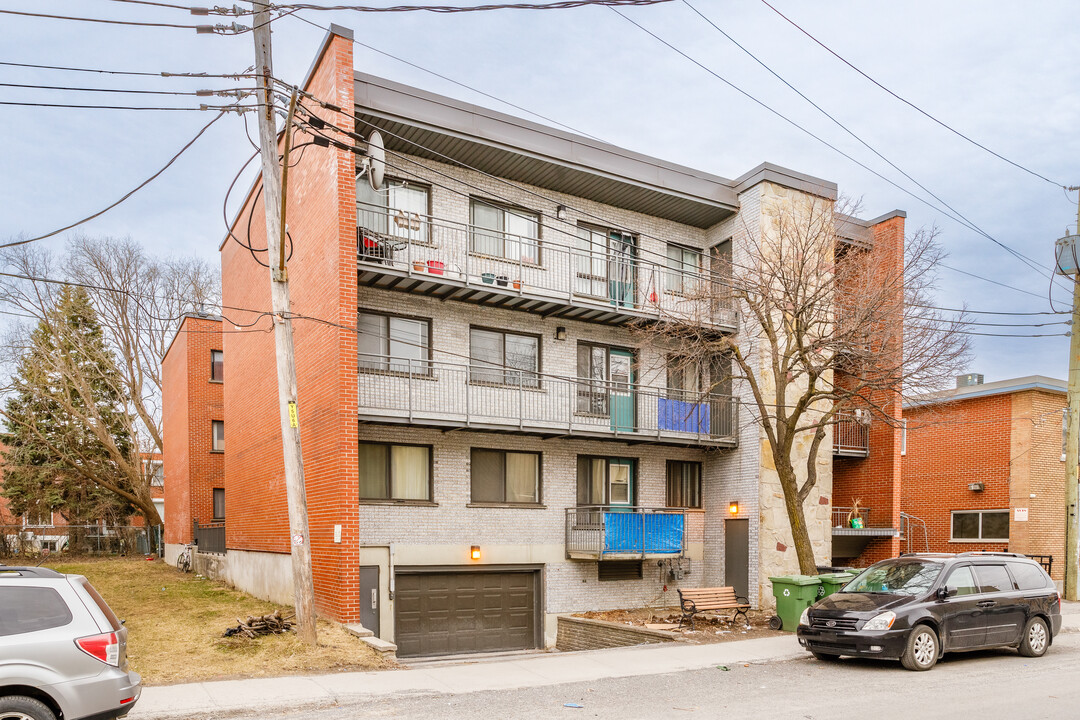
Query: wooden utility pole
[1072, 440]
[303, 587]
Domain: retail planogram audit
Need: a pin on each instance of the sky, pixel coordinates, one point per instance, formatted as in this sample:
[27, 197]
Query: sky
[1005, 74]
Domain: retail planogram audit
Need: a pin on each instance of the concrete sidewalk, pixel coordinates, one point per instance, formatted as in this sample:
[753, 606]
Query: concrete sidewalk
[520, 671]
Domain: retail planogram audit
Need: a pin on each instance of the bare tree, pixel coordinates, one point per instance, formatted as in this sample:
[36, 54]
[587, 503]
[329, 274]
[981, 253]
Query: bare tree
[830, 326]
[139, 300]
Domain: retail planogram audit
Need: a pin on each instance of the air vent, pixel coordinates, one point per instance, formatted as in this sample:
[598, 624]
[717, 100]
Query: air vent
[977, 486]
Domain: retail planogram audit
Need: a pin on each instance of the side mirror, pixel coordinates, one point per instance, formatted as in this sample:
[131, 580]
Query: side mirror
[945, 593]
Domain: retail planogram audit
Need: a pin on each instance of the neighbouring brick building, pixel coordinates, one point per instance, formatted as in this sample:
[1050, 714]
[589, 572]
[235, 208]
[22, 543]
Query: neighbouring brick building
[486, 443]
[983, 468]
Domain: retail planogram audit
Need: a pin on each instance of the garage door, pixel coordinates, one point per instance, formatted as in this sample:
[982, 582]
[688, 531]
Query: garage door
[464, 612]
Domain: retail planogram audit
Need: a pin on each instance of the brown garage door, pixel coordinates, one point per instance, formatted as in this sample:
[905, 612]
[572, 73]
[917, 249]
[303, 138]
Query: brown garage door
[464, 612]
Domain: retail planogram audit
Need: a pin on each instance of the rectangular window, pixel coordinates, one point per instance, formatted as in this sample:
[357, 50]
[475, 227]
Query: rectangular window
[219, 504]
[393, 344]
[721, 275]
[31, 609]
[217, 366]
[903, 437]
[593, 366]
[39, 516]
[685, 377]
[683, 265]
[399, 210]
[157, 473]
[395, 472]
[605, 481]
[217, 441]
[988, 525]
[683, 484]
[503, 232]
[503, 358]
[499, 476]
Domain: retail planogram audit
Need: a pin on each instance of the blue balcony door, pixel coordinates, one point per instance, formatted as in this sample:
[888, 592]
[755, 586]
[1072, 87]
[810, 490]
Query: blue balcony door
[622, 391]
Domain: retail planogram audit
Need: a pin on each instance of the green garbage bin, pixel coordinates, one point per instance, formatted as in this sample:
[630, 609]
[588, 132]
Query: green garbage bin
[793, 593]
[831, 582]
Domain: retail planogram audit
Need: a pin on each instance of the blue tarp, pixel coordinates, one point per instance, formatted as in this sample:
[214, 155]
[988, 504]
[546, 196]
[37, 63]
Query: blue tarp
[683, 416]
[626, 532]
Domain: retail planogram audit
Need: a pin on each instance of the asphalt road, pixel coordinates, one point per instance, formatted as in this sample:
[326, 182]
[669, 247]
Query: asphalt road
[982, 685]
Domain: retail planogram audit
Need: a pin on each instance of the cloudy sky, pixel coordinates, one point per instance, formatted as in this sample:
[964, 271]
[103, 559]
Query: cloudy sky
[1005, 74]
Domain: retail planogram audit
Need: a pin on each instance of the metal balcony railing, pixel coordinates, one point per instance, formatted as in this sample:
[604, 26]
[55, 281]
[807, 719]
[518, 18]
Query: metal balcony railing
[442, 394]
[842, 525]
[569, 271]
[209, 537]
[851, 435]
[605, 532]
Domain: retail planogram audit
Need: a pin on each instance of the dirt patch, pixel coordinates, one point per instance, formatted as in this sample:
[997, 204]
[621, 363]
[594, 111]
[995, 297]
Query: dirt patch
[176, 621]
[708, 627]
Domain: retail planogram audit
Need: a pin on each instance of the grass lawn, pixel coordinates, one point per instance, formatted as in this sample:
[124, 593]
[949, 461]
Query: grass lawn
[175, 624]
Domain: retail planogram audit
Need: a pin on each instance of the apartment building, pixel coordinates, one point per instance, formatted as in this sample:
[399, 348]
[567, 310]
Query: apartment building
[984, 468]
[488, 440]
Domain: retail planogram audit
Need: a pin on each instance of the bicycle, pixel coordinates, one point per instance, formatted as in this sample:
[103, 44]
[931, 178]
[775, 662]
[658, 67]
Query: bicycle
[183, 560]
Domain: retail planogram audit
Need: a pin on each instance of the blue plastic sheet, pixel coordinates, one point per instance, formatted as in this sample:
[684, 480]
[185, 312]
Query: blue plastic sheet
[632, 532]
[683, 416]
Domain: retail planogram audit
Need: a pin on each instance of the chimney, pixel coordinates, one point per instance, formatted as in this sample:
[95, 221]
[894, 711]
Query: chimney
[968, 380]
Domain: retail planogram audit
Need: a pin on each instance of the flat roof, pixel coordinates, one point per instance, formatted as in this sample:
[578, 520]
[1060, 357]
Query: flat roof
[999, 387]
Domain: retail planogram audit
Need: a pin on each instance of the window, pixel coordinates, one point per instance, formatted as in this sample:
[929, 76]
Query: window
[993, 578]
[605, 264]
[499, 476]
[31, 609]
[217, 438]
[685, 378]
[962, 581]
[394, 344]
[503, 232]
[683, 484]
[219, 504]
[395, 472]
[217, 366]
[39, 516]
[1028, 577]
[990, 525]
[720, 270]
[592, 365]
[681, 261]
[157, 473]
[903, 437]
[399, 210]
[504, 358]
[605, 481]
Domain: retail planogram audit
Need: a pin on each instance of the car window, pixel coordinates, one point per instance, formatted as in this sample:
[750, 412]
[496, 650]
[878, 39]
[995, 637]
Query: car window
[905, 577]
[1028, 577]
[962, 579]
[100, 602]
[29, 609]
[993, 578]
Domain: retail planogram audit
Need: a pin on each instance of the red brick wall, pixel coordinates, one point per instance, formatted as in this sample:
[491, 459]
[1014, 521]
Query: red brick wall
[190, 402]
[948, 447]
[322, 274]
[876, 479]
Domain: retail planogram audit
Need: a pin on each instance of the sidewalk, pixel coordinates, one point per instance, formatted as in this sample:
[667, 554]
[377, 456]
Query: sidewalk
[192, 700]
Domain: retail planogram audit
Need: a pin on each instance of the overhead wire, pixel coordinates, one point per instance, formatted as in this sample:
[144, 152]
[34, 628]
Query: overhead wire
[112, 90]
[72, 106]
[450, 9]
[234, 76]
[99, 20]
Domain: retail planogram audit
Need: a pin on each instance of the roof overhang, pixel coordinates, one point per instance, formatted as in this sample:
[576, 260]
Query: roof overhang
[434, 127]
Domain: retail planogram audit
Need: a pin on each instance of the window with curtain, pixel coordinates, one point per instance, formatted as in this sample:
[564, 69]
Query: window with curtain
[395, 472]
[500, 476]
[590, 262]
[400, 209]
[592, 368]
[504, 358]
[681, 261]
[683, 484]
[392, 343]
[685, 378]
[503, 232]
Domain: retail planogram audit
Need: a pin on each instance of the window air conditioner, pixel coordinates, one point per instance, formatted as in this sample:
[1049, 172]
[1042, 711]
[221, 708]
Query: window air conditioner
[977, 486]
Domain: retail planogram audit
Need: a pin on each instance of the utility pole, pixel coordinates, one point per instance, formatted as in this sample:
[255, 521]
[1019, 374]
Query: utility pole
[303, 587]
[1072, 439]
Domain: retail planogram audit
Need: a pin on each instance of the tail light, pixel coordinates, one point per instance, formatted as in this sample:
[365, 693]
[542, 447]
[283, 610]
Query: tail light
[104, 647]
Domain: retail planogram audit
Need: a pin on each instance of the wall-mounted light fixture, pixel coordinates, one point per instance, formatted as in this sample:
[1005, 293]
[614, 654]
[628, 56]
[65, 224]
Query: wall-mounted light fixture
[474, 552]
[560, 212]
[560, 333]
[733, 507]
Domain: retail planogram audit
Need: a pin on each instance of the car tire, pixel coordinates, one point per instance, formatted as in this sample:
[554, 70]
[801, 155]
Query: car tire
[22, 707]
[1036, 638]
[922, 649]
[824, 657]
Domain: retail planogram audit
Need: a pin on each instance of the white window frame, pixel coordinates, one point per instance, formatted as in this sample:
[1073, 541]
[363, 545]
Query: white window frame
[903, 437]
[515, 247]
[980, 513]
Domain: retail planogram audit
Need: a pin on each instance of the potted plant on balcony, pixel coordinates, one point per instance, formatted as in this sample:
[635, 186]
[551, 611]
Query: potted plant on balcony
[855, 519]
[517, 284]
[418, 265]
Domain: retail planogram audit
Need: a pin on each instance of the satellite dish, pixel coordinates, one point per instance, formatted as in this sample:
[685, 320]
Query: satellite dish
[375, 160]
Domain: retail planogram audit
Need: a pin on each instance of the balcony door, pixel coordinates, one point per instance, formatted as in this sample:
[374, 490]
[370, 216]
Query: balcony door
[605, 265]
[606, 385]
[622, 392]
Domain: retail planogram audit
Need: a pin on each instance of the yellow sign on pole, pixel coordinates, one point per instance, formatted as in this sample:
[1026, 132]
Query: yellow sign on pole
[293, 419]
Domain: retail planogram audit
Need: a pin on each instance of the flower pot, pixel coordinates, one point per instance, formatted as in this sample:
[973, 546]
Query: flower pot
[435, 267]
[502, 281]
[418, 266]
[488, 278]
[517, 284]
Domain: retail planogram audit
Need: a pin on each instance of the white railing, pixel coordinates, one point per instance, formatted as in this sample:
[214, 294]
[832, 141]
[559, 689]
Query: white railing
[618, 276]
[412, 390]
[851, 434]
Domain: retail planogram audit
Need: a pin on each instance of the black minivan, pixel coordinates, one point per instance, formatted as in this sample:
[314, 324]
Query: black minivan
[920, 606]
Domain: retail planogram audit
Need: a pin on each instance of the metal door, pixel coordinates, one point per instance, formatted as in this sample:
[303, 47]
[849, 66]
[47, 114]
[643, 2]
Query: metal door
[737, 555]
[621, 269]
[963, 620]
[369, 598]
[622, 390]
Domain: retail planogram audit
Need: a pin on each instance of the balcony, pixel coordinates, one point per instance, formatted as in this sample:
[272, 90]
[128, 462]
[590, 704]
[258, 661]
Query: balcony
[598, 532]
[848, 541]
[614, 285]
[851, 435]
[458, 396]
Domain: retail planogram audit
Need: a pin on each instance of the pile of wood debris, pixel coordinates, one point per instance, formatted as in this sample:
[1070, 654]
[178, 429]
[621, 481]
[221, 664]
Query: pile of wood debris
[273, 624]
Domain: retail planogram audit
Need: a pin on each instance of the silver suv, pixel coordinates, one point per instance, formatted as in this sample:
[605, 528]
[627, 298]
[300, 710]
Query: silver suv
[63, 653]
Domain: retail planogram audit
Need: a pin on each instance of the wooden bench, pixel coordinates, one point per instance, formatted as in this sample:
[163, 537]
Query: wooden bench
[696, 600]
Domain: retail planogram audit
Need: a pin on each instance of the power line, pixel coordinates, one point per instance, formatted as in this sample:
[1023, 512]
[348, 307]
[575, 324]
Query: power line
[908, 102]
[71, 106]
[994, 282]
[986, 312]
[138, 187]
[111, 90]
[449, 9]
[235, 76]
[99, 20]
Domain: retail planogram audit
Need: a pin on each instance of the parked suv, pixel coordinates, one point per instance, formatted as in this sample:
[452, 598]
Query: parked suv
[63, 653]
[918, 607]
